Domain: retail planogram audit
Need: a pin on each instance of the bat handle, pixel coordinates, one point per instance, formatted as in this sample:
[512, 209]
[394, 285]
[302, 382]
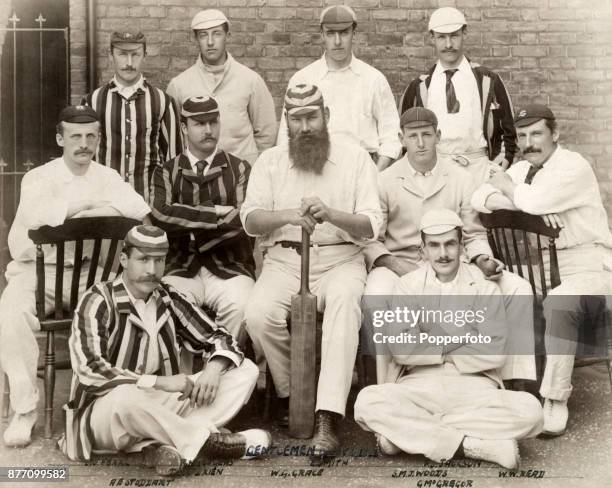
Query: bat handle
[305, 261]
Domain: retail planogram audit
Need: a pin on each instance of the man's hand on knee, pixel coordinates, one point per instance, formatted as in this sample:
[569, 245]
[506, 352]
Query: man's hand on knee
[178, 383]
[207, 385]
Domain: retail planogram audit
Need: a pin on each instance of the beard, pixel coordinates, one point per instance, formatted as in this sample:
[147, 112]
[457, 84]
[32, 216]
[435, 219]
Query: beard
[309, 152]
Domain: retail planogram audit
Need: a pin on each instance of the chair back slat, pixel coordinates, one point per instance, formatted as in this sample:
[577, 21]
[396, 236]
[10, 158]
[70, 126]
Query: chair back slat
[519, 267]
[59, 280]
[76, 273]
[523, 226]
[93, 265]
[529, 262]
[40, 273]
[77, 231]
[110, 259]
[541, 267]
[508, 259]
[555, 277]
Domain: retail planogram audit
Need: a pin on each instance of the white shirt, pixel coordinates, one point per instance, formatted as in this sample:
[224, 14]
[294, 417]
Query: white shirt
[424, 180]
[127, 91]
[566, 185]
[361, 105]
[348, 183]
[193, 160]
[147, 311]
[461, 132]
[47, 191]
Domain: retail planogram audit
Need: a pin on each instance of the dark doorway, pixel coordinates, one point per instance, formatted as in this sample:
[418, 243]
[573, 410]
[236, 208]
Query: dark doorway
[34, 87]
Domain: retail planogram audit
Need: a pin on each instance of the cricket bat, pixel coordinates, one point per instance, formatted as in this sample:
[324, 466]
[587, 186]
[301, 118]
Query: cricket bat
[303, 353]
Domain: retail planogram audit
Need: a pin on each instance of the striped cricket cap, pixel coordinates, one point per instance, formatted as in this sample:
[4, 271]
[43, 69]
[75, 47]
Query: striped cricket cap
[338, 17]
[148, 239]
[200, 107]
[303, 99]
[418, 117]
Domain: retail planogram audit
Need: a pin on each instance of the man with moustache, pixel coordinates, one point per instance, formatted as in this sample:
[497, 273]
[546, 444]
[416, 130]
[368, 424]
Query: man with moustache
[249, 120]
[328, 188]
[559, 185]
[196, 198]
[362, 105]
[68, 187]
[444, 399]
[471, 102]
[420, 182]
[127, 393]
[138, 122]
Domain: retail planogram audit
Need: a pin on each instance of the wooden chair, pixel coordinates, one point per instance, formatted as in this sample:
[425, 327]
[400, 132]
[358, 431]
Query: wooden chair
[503, 226]
[509, 233]
[72, 231]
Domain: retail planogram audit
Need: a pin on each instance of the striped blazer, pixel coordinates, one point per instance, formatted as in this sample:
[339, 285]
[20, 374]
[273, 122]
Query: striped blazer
[497, 114]
[183, 204]
[108, 348]
[136, 133]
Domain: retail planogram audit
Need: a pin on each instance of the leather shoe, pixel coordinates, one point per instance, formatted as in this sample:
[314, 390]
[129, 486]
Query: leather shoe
[247, 444]
[166, 460]
[325, 441]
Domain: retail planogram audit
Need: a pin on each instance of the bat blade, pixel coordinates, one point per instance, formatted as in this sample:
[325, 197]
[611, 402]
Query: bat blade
[303, 365]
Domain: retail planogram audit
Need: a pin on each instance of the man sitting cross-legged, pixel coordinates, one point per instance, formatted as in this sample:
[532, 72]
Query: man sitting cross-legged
[446, 398]
[127, 393]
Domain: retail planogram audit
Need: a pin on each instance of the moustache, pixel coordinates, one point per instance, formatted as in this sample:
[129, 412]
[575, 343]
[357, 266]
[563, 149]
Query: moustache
[149, 279]
[531, 149]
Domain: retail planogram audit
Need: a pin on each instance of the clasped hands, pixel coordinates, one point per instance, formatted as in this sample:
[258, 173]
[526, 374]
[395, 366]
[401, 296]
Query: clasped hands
[312, 211]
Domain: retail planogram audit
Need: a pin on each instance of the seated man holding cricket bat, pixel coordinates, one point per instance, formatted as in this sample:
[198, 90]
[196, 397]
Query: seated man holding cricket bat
[442, 392]
[329, 189]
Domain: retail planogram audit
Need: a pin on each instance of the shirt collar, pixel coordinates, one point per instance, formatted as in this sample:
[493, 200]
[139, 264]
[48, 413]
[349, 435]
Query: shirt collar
[193, 160]
[432, 172]
[552, 156]
[133, 299]
[354, 66]
[128, 90]
[464, 67]
[65, 175]
[226, 66]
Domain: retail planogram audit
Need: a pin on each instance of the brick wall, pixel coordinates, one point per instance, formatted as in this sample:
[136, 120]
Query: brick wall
[557, 52]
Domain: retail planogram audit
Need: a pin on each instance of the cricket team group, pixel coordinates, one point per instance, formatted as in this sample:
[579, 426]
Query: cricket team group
[390, 197]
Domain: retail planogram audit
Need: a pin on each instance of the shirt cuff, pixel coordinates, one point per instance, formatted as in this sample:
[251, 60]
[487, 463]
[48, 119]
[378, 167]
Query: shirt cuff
[390, 150]
[477, 247]
[244, 213]
[479, 198]
[232, 356]
[375, 223]
[372, 252]
[146, 381]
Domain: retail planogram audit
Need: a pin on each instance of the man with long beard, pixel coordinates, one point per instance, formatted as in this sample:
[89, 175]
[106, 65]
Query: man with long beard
[329, 189]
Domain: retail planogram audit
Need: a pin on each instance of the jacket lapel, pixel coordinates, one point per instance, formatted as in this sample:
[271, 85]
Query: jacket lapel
[440, 179]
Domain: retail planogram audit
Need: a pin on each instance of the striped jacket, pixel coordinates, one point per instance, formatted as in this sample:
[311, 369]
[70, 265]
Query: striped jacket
[108, 348]
[183, 204]
[497, 114]
[136, 133]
